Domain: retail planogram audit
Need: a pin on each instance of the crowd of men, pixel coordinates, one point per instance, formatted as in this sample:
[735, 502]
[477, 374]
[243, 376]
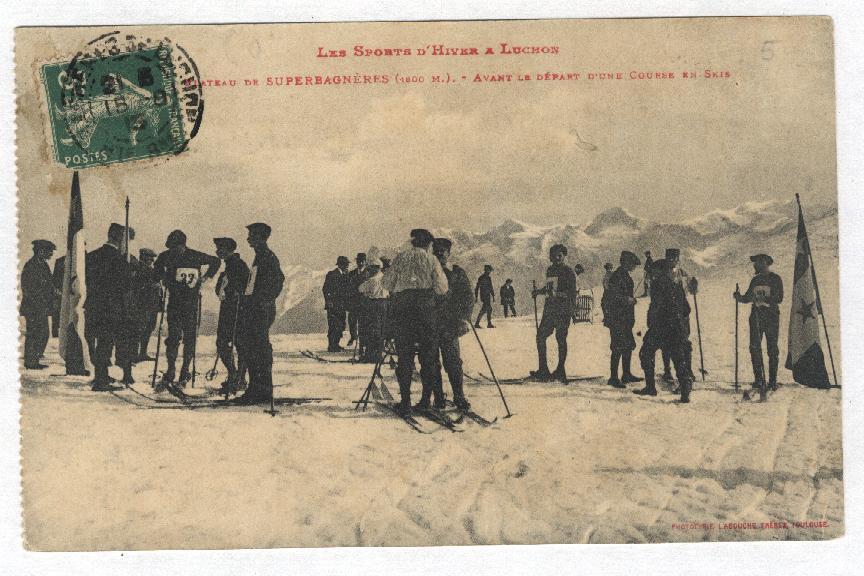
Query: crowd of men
[126, 295]
[422, 302]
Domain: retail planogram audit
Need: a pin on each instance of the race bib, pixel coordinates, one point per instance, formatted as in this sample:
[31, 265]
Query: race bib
[188, 276]
[761, 295]
[250, 286]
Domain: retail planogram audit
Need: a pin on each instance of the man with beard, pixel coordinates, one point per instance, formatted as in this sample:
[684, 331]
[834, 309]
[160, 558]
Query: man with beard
[618, 305]
[413, 280]
[179, 269]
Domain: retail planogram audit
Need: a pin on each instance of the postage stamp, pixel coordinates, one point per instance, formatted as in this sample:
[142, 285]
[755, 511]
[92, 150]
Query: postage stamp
[429, 284]
[113, 105]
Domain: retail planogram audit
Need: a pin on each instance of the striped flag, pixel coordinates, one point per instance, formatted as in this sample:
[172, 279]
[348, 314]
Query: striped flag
[805, 358]
[73, 344]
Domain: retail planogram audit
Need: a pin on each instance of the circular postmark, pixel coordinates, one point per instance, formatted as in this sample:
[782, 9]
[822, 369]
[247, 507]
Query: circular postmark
[123, 98]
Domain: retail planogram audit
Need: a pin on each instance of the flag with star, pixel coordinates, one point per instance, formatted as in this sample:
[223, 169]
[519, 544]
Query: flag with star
[805, 357]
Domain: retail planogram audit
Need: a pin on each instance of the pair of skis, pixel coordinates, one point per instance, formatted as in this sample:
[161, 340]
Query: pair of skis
[437, 416]
[313, 356]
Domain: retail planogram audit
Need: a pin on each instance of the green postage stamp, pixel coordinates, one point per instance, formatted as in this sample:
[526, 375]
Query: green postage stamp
[114, 108]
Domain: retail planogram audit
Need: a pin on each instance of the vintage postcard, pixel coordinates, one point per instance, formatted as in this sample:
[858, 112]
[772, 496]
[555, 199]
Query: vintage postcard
[428, 283]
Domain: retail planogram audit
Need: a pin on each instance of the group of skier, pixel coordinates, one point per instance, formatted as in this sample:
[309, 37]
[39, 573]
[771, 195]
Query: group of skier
[125, 296]
[422, 302]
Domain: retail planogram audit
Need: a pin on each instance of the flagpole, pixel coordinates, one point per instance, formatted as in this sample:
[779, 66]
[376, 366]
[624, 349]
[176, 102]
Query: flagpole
[128, 259]
[818, 295]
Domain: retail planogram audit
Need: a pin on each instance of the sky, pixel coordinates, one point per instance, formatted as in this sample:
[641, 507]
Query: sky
[336, 169]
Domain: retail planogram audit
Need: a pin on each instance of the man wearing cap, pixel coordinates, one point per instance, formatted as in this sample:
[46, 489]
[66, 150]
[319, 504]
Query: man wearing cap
[558, 310]
[688, 284]
[145, 308]
[374, 311]
[607, 274]
[618, 305]
[37, 301]
[666, 330]
[258, 311]
[765, 293]
[230, 286]
[646, 279]
[109, 281]
[179, 269]
[453, 314]
[413, 280]
[486, 293]
[508, 298]
[336, 289]
[355, 303]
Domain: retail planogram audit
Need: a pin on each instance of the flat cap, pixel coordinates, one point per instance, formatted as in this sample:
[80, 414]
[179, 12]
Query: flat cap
[116, 228]
[260, 229]
[342, 260]
[672, 253]
[43, 245]
[421, 236]
[629, 258]
[175, 238]
[226, 243]
[440, 244]
[488, 267]
[762, 258]
[146, 252]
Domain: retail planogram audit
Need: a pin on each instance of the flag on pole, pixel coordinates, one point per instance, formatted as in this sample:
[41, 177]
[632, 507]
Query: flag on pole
[73, 344]
[805, 357]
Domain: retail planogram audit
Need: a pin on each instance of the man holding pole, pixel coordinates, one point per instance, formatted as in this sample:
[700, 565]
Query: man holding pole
[179, 269]
[229, 288]
[453, 316]
[558, 310]
[765, 293]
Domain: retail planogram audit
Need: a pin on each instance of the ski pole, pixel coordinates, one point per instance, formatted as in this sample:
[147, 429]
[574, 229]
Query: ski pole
[737, 293]
[231, 347]
[195, 341]
[162, 299]
[699, 337]
[491, 371]
[534, 296]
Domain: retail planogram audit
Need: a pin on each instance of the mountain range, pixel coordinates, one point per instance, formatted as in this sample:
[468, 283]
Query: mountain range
[709, 244]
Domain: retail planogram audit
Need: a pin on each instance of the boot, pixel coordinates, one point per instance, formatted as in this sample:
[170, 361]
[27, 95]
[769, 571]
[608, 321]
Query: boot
[649, 389]
[560, 374]
[772, 373]
[615, 383]
[627, 376]
[685, 392]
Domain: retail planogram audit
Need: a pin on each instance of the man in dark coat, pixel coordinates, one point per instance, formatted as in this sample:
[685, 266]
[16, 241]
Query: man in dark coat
[257, 313]
[336, 289]
[355, 301]
[558, 311]
[765, 293]
[508, 297]
[108, 282]
[646, 279]
[38, 296]
[618, 305]
[179, 269]
[452, 317]
[145, 303]
[486, 293]
[229, 288]
[667, 314]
